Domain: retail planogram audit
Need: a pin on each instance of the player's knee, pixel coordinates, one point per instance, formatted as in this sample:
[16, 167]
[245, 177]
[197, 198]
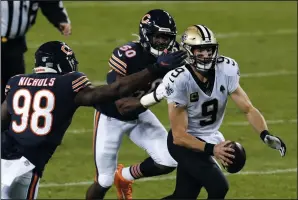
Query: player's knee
[105, 180]
[218, 191]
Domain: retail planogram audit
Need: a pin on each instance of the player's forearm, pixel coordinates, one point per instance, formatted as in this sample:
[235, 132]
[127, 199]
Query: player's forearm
[131, 83]
[256, 119]
[188, 141]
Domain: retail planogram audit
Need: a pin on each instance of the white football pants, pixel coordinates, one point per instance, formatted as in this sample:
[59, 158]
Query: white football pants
[147, 132]
[23, 187]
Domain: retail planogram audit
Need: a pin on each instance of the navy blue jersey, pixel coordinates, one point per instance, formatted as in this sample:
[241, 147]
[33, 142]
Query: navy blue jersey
[41, 108]
[125, 60]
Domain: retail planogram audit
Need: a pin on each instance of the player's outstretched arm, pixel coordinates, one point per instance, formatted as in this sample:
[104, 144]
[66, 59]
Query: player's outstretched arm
[256, 119]
[90, 96]
[179, 122]
[5, 116]
[154, 97]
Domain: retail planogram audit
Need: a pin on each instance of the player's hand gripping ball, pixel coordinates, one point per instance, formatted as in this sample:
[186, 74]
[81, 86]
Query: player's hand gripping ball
[239, 160]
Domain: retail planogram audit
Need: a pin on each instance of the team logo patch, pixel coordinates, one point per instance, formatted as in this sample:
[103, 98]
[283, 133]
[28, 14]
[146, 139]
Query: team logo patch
[169, 90]
[194, 97]
[222, 89]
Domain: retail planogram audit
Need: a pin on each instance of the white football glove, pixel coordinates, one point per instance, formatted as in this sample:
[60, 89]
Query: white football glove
[274, 142]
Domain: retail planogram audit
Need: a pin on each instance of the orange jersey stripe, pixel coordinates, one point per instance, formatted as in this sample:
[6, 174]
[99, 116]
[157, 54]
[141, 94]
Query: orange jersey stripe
[78, 79]
[116, 69]
[123, 64]
[119, 67]
[83, 86]
[80, 83]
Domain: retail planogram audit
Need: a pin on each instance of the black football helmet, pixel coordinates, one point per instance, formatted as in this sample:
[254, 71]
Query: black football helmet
[55, 57]
[157, 31]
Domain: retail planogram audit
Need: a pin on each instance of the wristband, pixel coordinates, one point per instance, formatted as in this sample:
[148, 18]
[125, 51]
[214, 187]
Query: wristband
[263, 134]
[209, 149]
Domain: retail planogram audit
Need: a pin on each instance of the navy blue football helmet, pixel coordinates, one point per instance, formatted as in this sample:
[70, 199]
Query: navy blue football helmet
[55, 57]
[157, 31]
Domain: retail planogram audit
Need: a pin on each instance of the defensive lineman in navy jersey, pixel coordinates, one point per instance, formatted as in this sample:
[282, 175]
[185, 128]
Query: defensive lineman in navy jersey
[39, 108]
[157, 35]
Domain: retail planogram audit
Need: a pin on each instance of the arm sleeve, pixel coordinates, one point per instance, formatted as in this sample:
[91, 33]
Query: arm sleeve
[119, 62]
[11, 82]
[55, 12]
[79, 81]
[175, 90]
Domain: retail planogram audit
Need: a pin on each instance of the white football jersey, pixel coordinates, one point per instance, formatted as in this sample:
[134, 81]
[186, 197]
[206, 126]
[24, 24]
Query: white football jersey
[205, 109]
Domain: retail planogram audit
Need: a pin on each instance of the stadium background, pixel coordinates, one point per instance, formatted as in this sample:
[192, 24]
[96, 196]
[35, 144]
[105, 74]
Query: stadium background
[260, 36]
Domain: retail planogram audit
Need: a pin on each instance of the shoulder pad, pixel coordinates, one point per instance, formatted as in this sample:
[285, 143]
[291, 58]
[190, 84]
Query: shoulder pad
[123, 55]
[228, 66]
[177, 77]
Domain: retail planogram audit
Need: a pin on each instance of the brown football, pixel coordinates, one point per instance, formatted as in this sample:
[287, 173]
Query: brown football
[239, 160]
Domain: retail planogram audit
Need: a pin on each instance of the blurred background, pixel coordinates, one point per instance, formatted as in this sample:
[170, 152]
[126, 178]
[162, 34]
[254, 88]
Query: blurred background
[260, 36]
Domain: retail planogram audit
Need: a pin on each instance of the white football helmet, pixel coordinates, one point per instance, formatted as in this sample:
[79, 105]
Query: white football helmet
[200, 37]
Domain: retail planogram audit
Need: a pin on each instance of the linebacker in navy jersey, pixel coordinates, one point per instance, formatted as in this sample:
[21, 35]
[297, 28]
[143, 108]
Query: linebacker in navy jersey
[39, 108]
[114, 119]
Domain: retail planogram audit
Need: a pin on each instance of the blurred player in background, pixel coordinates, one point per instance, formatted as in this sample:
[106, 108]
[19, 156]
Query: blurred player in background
[112, 120]
[39, 108]
[17, 17]
[197, 95]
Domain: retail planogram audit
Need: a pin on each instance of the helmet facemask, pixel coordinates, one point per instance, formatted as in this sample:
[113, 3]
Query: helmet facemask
[202, 57]
[161, 41]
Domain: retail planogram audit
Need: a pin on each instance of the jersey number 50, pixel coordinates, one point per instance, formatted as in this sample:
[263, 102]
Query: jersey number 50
[39, 111]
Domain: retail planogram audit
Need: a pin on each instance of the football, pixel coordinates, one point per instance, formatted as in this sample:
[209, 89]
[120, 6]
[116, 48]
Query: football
[239, 160]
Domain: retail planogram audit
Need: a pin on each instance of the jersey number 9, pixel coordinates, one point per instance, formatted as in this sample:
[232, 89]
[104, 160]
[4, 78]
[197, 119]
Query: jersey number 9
[209, 109]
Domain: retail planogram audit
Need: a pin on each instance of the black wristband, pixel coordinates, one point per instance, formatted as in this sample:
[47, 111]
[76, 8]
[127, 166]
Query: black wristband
[263, 134]
[209, 149]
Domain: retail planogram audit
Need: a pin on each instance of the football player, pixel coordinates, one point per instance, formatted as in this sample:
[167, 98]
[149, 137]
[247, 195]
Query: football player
[157, 30]
[197, 95]
[39, 108]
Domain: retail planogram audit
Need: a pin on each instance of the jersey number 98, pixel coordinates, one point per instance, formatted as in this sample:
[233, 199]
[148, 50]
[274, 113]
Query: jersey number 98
[32, 119]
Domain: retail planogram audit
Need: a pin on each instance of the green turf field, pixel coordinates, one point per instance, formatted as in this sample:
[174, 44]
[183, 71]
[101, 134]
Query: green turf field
[260, 36]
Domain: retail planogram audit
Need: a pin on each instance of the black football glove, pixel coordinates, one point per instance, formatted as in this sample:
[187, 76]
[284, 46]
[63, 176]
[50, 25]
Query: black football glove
[168, 62]
[274, 142]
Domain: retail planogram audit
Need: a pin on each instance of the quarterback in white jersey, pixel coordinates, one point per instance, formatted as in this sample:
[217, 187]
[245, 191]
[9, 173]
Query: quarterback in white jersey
[197, 95]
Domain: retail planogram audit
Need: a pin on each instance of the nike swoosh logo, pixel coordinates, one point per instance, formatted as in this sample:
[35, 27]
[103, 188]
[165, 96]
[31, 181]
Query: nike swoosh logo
[119, 54]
